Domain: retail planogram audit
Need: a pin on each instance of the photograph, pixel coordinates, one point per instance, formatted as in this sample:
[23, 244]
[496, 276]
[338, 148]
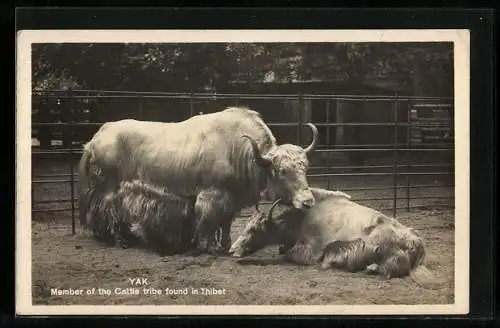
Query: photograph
[229, 172]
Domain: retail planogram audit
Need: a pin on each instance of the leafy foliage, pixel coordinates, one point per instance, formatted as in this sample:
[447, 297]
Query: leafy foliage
[419, 68]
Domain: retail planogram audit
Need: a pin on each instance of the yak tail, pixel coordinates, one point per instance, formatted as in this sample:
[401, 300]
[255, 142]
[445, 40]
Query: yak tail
[419, 272]
[84, 190]
[84, 165]
[425, 278]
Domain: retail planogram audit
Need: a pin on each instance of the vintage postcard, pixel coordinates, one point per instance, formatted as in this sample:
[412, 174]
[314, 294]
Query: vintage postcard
[229, 172]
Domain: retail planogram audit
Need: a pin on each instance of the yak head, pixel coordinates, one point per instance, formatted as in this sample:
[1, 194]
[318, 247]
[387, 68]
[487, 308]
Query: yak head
[287, 166]
[257, 234]
[263, 230]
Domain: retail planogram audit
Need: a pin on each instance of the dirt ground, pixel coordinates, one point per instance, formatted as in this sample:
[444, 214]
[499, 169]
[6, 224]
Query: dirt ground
[65, 261]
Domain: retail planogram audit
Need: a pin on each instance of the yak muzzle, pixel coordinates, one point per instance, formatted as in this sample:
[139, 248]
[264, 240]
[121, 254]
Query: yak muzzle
[241, 247]
[305, 201]
[235, 252]
[235, 249]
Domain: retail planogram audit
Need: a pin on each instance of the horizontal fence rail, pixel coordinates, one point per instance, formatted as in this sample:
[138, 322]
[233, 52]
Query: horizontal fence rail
[408, 137]
[187, 95]
[291, 124]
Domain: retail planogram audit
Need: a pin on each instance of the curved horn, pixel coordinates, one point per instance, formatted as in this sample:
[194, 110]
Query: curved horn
[271, 209]
[258, 156]
[315, 137]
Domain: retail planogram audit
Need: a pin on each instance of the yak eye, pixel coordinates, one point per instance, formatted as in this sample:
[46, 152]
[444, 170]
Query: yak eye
[283, 171]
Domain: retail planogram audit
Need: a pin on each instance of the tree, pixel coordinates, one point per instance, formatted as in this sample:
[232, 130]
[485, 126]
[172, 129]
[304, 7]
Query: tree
[419, 68]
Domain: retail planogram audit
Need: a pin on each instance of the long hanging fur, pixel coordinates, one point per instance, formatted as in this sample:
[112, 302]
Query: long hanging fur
[191, 156]
[348, 255]
[389, 251]
[140, 213]
[377, 243]
[403, 253]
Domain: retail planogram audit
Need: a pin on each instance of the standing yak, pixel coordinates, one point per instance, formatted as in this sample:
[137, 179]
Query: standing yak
[223, 159]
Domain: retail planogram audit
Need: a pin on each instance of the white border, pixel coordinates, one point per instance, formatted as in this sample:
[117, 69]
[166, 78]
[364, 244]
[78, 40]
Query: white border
[25, 38]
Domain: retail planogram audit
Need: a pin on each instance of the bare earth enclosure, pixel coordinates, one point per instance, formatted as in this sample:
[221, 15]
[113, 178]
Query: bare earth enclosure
[65, 261]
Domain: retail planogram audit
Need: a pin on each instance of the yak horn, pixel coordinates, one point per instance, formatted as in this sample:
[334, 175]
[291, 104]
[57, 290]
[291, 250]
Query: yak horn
[259, 159]
[271, 209]
[315, 137]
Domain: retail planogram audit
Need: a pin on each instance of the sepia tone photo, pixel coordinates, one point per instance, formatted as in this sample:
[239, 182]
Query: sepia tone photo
[242, 172]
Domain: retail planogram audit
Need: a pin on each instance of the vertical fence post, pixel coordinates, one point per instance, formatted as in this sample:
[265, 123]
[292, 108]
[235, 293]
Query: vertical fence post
[339, 129]
[395, 157]
[140, 113]
[299, 118]
[327, 143]
[191, 105]
[408, 159]
[71, 108]
[327, 108]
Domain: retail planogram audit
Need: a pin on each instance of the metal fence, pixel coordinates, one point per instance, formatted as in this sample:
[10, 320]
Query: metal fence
[412, 125]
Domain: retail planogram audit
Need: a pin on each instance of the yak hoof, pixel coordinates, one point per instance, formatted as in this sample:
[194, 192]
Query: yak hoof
[372, 269]
[217, 250]
[122, 243]
[326, 265]
[195, 252]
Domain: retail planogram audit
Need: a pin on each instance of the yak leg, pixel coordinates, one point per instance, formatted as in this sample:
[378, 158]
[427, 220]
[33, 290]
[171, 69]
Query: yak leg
[217, 240]
[213, 210]
[222, 239]
[287, 241]
[225, 238]
[301, 253]
[224, 213]
[283, 248]
[205, 237]
[396, 265]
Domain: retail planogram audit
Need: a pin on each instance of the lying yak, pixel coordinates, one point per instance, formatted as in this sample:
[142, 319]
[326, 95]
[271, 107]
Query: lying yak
[231, 154]
[141, 214]
[339, 233]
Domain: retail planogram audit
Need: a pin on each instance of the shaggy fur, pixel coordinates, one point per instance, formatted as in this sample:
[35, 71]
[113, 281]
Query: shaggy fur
[232, 151]
[208, 203]
[351, 256]
[142, 214]
[284, 229]
[339, 233]
[389, 249]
